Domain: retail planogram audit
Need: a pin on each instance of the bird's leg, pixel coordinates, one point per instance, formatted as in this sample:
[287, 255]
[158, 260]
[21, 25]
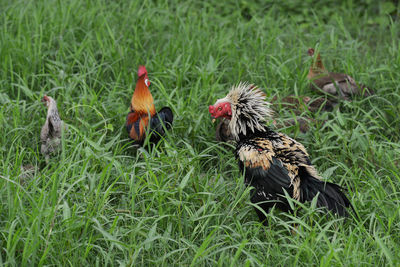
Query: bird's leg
[261, 216]
[262, 210]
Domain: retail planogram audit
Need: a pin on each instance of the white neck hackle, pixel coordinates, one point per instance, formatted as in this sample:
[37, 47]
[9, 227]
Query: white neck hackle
[250, 110]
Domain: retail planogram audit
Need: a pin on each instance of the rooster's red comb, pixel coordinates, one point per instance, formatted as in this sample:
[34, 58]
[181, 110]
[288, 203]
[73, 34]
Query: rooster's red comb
[142, 70]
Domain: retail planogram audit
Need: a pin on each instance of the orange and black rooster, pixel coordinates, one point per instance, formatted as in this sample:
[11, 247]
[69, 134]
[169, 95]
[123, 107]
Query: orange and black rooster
[273, 162]
[142, 118]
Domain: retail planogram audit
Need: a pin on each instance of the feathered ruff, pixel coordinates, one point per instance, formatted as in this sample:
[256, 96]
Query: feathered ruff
[249, 108]
[138, 126]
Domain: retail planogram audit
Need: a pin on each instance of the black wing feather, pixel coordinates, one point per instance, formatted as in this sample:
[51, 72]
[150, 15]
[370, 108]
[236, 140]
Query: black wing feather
[275, 178]
[269, 186]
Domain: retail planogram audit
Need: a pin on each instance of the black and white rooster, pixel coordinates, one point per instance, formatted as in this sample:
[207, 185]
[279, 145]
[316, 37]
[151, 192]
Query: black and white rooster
[273, 162]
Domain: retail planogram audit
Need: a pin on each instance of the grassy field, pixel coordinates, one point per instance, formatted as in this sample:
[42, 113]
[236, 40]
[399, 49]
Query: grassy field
[102, 202]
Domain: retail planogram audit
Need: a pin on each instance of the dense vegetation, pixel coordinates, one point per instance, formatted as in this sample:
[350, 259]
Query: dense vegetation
[102, 202]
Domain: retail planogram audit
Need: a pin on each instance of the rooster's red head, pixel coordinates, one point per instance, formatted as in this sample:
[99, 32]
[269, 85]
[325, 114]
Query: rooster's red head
[142, 71]
[47, 100]
[245, 107]
[220, 109]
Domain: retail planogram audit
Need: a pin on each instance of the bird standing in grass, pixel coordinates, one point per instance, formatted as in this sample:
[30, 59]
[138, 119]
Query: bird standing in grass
[339, 85]
[142, 118]
[50, 135]
[272, 162]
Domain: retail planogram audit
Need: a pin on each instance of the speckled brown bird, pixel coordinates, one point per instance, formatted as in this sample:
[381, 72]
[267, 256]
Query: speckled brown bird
[50, 135]
[273, 162]
[339, 85]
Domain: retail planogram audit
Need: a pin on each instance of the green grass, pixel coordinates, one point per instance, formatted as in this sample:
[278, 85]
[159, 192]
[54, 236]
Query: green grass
[102, 202]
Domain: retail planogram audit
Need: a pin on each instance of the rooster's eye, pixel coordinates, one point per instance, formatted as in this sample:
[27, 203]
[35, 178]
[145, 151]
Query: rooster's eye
[220, 108]
[147, 82]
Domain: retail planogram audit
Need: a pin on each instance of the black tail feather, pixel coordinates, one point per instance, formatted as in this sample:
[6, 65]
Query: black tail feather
[163, 118]
[330, 195]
